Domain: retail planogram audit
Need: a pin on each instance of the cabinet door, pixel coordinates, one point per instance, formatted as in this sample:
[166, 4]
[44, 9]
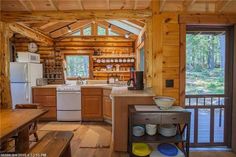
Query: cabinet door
[107, 107]
[91, 106]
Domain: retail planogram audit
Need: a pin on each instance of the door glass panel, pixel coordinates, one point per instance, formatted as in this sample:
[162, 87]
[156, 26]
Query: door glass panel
[204, 125]
[219, 125]
[205, 62]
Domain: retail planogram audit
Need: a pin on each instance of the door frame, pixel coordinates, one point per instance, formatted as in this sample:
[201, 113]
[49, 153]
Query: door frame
[228, 70]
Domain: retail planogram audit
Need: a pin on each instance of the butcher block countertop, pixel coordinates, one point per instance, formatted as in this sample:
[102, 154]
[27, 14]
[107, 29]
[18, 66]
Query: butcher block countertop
[48, 86]
[124, 92]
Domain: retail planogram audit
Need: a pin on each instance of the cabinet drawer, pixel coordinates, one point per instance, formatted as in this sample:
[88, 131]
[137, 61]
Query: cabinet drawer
[51, 114]
[107, 92]
[174, 118]
[149, 118]
[44, 91]
[91, 91]
[45, 100]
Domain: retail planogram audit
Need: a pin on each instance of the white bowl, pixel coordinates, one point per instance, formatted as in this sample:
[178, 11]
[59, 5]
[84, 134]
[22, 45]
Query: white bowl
[138, 131]
[164, 102]
[151, 129]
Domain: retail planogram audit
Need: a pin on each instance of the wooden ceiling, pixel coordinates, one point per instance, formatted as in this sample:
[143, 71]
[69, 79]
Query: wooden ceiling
[226, 6]
[60, 29]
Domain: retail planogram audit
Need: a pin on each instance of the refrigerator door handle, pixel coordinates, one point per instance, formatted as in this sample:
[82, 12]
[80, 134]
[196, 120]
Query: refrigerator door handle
[25, 72]
[26, 92]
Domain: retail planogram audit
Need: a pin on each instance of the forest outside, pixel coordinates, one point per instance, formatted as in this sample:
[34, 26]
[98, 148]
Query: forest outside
[205, 63]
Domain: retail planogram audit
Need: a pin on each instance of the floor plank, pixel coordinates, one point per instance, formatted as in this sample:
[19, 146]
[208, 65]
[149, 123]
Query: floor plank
[80, 133]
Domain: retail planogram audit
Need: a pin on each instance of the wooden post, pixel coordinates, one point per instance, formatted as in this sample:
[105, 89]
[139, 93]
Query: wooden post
[157, 54]
[182, 64]
[5, 35]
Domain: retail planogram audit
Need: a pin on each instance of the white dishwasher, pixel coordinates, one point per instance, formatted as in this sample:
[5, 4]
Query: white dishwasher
[68, 103]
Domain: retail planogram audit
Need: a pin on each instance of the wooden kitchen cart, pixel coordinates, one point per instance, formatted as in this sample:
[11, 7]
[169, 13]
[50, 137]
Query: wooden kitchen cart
[180, 118]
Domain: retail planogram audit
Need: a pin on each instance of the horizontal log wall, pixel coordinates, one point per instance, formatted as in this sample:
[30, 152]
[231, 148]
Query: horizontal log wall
[75, 45]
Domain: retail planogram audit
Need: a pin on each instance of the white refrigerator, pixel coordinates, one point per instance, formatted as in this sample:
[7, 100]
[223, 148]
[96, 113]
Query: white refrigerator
[23, 76]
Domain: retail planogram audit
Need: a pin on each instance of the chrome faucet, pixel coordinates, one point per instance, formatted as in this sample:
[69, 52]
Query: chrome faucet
[79, 80]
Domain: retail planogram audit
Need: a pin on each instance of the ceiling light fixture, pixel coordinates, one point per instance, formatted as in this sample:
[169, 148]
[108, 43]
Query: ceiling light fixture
[69, 29]
[109, 27]
[127, 35]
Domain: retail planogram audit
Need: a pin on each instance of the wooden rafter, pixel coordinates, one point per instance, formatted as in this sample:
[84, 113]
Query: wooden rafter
[74, 27]
[32, 5]
[221, 5]
[131, 24]
[162, 5]
[94, 38]
[81, 5]
[52, 3]
[30, 33]
[42, 16]
[47, 25]
[108, 4]
[137, 22]
[188, 3]
[116, 29]
[56, 26]
[22, 2]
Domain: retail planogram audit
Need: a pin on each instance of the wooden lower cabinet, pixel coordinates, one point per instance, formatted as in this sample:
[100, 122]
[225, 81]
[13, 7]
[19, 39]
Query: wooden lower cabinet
[47, 98]
[107, 104]
[91, 104]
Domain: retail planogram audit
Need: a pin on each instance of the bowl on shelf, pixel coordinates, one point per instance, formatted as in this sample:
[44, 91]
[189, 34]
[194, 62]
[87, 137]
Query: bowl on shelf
[164, 102]
[138, 131]
[140, 149]
[151, 129]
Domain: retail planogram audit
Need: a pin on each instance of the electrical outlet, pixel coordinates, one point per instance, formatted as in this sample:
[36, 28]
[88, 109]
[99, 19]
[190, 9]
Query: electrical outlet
[169, 83]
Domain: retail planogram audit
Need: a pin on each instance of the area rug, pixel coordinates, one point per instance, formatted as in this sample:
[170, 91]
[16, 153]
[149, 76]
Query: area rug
[96, 137]
[60, 126]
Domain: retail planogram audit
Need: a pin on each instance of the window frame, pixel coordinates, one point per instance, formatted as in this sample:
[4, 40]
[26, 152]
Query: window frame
[90, 65]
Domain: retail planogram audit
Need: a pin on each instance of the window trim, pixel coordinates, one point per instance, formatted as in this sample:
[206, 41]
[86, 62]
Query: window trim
[90, 64]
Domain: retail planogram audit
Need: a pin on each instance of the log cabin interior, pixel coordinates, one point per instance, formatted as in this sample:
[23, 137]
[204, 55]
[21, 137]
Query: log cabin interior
[117, 78]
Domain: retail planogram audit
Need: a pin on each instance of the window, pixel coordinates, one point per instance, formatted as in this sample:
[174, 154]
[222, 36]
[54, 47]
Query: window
[87, 31]
[76, 33]
[141, 66]
[77, 65]
[101, 31]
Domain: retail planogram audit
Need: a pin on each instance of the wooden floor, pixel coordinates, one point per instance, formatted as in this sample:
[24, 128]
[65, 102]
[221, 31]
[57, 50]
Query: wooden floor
[80, 133]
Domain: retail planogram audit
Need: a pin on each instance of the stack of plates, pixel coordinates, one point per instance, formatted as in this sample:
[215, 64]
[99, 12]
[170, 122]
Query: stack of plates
[167, 130]
[138, 131]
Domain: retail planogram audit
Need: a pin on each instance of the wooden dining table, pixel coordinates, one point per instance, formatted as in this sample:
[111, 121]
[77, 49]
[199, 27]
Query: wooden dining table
[16, 122]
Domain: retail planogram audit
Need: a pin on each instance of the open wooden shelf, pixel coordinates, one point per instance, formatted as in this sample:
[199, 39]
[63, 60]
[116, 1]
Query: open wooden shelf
[99, 72]
[114, 56]
[158, 138]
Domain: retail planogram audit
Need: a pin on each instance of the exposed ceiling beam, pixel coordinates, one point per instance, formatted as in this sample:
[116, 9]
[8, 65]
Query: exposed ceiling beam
[135, 4]
[32, 5]
[22, 2]
[74, 27]
[30, 33]
[94, 38]
[222, 5]
[52, 3]
[162, 5]
[116, 29]
[132, 24]
[124, 26]
[81, 5]
[50, 16]
[137, 22]
[108, 4]
[48, 25]
[188, 3]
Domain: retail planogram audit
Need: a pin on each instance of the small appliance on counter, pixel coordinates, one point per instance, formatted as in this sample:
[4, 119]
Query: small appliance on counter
[27, 57]
[136, 80]
[41, 81]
